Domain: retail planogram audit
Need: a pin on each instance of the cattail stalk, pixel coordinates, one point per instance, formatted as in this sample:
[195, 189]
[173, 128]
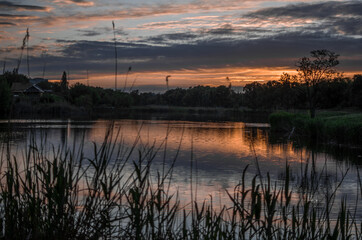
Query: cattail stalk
[115, 57]
[22, 49]
[134, 81]
[27, 51]
[167, 81]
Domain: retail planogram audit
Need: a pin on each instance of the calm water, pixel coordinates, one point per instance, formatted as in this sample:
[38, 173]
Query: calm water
[217, 151]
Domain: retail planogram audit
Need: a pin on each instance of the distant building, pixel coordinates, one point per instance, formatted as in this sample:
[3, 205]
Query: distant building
[26, 89]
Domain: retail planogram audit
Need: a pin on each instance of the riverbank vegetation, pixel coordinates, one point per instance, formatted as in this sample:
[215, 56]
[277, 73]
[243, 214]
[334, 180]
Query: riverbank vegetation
[61, 192]
[338, 128]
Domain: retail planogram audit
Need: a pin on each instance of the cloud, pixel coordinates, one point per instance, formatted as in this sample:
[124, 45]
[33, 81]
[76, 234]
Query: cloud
[97, 31]
[171, 38]
[346, 26]
[313, 10]
[341, 18]
[145, 10]
[123, 11]
[15, 19]
[9, 5]
[276, 51]
[207, 52]
[7, 24]
[77, 2]
[225, 29]
[5, 15]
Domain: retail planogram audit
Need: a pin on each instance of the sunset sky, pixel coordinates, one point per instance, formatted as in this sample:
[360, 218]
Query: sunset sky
[196, 42]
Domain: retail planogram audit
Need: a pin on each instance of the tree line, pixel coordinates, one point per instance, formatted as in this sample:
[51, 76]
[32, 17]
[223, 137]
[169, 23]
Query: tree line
[288, 93]
[317, 85]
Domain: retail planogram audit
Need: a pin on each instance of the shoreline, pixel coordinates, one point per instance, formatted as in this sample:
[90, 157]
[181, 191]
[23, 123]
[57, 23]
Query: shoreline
[329, 127]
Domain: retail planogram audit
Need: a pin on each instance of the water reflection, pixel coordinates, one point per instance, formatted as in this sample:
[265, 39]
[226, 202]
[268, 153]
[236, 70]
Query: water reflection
[219, 151]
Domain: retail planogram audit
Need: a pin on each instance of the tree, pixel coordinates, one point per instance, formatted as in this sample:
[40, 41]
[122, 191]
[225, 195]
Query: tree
[64, 83]
[12, 77]
[5, 96]
[357, 91]
[311, 71]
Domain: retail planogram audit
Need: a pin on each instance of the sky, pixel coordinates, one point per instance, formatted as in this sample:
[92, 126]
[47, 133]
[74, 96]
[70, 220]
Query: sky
[198, 42]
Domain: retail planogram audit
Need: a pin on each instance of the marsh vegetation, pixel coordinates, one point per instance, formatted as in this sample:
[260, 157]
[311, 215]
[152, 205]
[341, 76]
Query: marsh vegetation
[118, 188]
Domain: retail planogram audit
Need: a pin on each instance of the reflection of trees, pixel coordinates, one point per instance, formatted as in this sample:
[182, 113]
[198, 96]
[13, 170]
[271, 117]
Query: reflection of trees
[339, 153]
[213, 133]
[11, 133]
[255, 136]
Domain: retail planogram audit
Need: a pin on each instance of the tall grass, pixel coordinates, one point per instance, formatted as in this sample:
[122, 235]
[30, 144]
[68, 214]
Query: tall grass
[62, 193]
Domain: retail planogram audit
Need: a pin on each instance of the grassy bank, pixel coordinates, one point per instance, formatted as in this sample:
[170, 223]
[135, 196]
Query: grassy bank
[327, 127]
[58, 193]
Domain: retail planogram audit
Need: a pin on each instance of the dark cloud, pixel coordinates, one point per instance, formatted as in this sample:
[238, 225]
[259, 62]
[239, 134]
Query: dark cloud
[101, 30]
[89, 33]
[342, 18]
[276, 51]
[171, 37]
[314, 10]
[9, 5]
[5, 15]
[347, 26]
[223, 30]
[192, 37]
[7, 24]
[80, 1]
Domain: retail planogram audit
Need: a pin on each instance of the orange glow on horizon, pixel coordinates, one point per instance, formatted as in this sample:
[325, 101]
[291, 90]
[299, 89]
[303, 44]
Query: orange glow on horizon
[183, 78]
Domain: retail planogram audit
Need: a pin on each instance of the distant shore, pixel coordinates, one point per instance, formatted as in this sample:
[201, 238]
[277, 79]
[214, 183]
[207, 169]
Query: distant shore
[65, 110]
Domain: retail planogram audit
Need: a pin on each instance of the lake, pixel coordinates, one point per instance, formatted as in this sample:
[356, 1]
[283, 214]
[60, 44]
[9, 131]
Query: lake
[210, 156]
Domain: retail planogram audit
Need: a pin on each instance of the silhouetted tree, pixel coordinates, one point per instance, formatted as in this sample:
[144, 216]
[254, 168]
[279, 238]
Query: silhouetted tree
[357, 91]
[333, 93]
[312, 71]
[5, 96]
[64, 83]
[11, 77]
[253, 95]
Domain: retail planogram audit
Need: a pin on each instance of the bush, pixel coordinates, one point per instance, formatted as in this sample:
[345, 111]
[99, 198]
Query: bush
[49, 98]
[344, 129]
[84, 101]
[341, 129]
[121, 99]
[282, 121]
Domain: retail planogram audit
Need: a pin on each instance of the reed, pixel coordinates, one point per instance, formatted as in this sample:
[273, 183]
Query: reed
[63, 192]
